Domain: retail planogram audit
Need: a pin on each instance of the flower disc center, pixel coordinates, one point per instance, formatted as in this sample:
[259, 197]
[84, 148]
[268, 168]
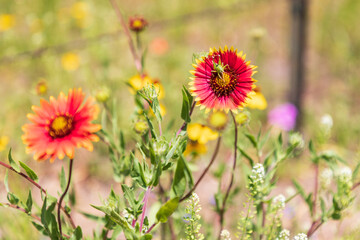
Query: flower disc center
[223, 80]
[223, 84]
[61, 126]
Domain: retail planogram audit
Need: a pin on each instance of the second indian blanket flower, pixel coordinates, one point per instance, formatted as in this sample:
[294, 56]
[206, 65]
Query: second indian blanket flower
[61, 125]
[222, 80]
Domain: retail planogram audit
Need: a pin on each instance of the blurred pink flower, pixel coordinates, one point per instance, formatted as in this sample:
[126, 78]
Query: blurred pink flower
[283, 116]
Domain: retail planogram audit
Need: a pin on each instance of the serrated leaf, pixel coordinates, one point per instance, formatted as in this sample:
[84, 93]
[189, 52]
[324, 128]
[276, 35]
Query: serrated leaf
[13, 164]
[167, 210]
[323, 207]
[29, 171]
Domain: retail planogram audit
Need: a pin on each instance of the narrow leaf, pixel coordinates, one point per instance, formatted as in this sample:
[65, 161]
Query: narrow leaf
[6, 181]
[167, 210]
[29, 171]
[13, 164]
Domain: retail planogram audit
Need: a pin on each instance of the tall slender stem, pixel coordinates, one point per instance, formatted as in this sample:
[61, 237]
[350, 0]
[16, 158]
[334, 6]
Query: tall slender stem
[40, 188]
[222, 210]
[63, 195]
[128, 35]
[205, 171]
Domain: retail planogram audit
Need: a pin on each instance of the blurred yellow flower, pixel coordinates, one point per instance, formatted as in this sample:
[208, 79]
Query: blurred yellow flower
[137, 82]
[80, 12]
[7, 21]
[257, 101]
[162, 110]
[195, 148]
[160, 89]
[218, 120]
[70, 61]
[200, 133]
[4, 140]
[41, 87]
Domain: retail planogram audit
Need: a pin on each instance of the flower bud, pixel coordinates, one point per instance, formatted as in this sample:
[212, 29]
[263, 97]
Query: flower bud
[102, 94]
[137, 24]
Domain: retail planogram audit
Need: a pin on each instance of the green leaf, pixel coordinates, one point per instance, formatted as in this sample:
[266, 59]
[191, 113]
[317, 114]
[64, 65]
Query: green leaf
[356, 171]
[299, 189]
[188, 172]
[29, 203]
[6, 181]
[251, 139]
[186, 105]
[62, 179]
[251, 161]
[167, 210]
[77, 234]
[323, 207]
[312, 148]
[12, 198]
[179, 182]
[146, 237]
[129, 194]
[13, 164]
[29, 171]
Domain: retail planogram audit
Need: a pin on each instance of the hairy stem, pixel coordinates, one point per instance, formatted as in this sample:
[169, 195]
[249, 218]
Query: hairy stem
[145, 201]
[205, 170]
[222, 210]
[64, 194]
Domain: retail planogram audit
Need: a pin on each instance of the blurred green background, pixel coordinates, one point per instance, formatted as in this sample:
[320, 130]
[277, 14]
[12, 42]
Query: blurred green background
[80, 44]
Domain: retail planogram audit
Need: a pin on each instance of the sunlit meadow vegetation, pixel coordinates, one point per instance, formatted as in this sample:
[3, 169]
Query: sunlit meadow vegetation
[155, 157]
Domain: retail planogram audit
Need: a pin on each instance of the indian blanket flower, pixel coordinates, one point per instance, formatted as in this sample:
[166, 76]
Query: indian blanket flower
[222, 80]
[60, 125]
[283, 116]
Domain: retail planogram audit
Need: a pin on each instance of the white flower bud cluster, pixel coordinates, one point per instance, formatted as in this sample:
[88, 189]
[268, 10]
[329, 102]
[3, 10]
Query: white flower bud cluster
[301, 236]
[297, 139]
[344, 175]
[225, 235]
[284, 235]
[278, 202]
[257, 178]
[258, 173]
[325, 178]
[326, 122]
